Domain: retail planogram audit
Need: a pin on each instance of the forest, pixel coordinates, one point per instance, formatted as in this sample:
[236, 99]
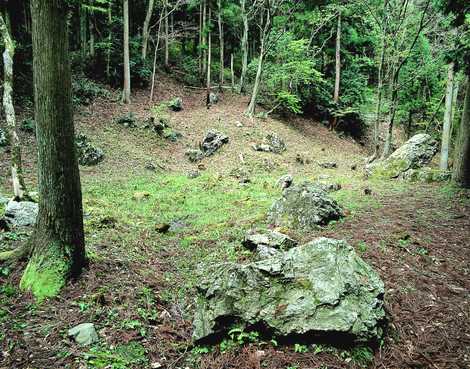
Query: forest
[234, 184]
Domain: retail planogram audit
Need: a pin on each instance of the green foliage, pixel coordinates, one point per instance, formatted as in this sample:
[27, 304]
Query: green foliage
[121, 357]
[86, 90]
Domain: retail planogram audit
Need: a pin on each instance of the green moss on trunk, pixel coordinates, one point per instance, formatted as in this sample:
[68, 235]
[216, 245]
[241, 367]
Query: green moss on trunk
[46, 273]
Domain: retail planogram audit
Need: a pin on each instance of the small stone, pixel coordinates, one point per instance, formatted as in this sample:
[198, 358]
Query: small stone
[176, 104]
[271, 239]
[239, 124]
[328, 165]
[285, 181]
[140, 196]
[194, 155]
[262, 147]
[213, 98]
[244, 180]
[193, 174]
[354, 167]
[176, 225]
[367, 191]
[84, 334]
[302, 158]
[162, 227]
[151, 167]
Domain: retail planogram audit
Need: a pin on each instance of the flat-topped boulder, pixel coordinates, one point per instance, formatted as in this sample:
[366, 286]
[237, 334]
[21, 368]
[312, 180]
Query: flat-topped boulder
[274, 239]
[414, 154]
[320, 289]
[305, 206]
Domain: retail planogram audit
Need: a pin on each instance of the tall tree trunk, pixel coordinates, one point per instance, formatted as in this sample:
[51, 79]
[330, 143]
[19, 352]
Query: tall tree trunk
[19, 187]
[391, 118]
[444, 162]
[232, 72]
[110, 39]
[58, 246]
[126, 93]
[334, 120]
[204, 38]
[154, 72]
[83, 35]
[92, 36]
[380, 84]
[221, 42]
[146, 30]
[167, 36]
[455, 95]
[461, 172]
[338, 61]
[200, 39]
[250, 111]
[209, 57]
[244, 47]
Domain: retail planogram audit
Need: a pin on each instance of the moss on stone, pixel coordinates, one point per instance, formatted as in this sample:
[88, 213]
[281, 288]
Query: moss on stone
[45, 274]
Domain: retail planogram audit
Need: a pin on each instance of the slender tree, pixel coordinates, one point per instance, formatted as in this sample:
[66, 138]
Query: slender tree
[19, 187]
[444, 165]
[126, 93]
[146, 28]
[221, 42]
[57, 246]
[461, 170]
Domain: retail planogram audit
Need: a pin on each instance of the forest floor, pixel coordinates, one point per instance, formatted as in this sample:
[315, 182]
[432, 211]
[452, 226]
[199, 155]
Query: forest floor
[139, 286]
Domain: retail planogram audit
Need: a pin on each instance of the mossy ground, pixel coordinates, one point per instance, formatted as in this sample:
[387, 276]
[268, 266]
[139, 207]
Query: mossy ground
[140, 286]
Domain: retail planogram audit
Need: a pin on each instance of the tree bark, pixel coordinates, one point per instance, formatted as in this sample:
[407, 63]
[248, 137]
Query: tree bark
[209, 57]
[19, 187]
[254, 95]
[83, 38]
[204, 38]
[57, 243]
[391, 118]
[92, 36]
[244, 47]
[126, 93]
[232, 72]
[145, 29]
[167, 41]
[338, 61]
[154, 72]
[221, 43]
[444, 159]
[380, 84]
[110, 39]
[461, 172]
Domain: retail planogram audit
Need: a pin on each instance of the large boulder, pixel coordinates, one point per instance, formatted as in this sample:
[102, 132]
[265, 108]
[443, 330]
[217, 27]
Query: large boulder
[319, 289]
[87, 154]
[21, 214]
[414, 154]
[304, 206]
[427, 175]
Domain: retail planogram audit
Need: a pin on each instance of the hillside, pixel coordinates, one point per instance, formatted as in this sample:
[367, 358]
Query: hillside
[139, 286]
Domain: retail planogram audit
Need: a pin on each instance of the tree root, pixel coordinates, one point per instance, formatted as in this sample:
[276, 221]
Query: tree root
[15, 255]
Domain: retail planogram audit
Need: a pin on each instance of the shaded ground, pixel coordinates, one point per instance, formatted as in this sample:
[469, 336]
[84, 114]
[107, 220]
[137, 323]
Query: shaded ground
[139, 287]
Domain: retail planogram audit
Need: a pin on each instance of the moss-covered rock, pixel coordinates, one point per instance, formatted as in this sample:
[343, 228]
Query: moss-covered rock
[87, 153]
[427, 175]
[414, 154]
[305, 206]
[321, 288]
